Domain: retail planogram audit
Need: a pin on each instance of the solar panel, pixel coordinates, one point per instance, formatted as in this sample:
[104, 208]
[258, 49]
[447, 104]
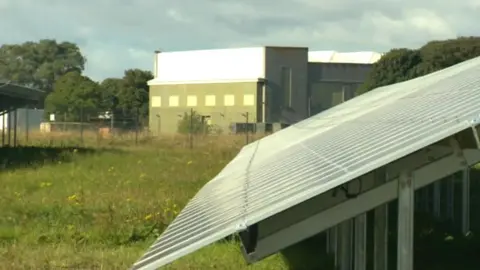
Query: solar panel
[320, 153]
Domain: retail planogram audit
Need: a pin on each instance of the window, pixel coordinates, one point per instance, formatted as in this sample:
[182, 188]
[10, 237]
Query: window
[210, 100]
[156, 101]
[229, 100]
[173, 101]
[191, 101]
[249, 100]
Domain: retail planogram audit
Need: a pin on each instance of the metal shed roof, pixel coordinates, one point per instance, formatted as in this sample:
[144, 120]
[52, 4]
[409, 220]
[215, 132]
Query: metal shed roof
[14, 95]
[320, 153]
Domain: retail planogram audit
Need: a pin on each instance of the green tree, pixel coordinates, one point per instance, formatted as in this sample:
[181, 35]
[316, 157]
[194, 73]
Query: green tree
[134, 95]
[74, 95]
[129, 93]
[39, 64]
[404, 64]
[110, 89]
[193, 123]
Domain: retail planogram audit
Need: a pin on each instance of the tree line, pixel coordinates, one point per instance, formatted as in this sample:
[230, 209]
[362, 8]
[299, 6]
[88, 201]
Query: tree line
[404, 64]
[58, 68]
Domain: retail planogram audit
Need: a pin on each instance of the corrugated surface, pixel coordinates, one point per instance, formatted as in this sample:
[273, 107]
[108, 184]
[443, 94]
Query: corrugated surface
[322, 152]
[344, 57]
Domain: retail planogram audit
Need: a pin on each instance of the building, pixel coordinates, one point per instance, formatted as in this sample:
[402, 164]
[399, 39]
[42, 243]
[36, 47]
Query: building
[334, 77]
[27, 119]
[256, 85]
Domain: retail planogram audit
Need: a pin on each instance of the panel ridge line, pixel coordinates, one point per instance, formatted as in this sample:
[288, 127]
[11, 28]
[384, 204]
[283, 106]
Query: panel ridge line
[246, 187]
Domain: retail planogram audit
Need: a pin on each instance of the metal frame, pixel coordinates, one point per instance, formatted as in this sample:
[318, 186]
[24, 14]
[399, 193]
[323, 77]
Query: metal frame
[291, 179]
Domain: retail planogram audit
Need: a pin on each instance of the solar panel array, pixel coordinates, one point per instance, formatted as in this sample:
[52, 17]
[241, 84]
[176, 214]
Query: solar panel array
[320, 153]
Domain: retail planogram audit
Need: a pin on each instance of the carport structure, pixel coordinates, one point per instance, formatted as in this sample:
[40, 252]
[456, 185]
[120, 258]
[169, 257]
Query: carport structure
[324, 173]
[13, 97]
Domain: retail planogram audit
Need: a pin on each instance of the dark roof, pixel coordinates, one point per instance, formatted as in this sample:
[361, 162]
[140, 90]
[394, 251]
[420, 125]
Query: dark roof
[17, 96]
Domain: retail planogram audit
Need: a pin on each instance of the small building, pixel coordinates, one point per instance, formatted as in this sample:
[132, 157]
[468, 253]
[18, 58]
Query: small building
[27, 119]
[255, 85]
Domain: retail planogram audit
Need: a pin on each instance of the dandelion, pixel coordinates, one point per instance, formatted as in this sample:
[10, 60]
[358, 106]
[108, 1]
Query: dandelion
[143, 175]
[73, 198]
[110, 169]
[129, 200]
[148, 217]
[189, 162]
[45, 184]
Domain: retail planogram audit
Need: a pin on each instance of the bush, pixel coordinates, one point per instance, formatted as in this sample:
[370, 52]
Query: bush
[193, 123]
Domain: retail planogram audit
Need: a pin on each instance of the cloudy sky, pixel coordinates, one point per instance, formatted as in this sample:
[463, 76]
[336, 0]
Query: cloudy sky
[120, 34]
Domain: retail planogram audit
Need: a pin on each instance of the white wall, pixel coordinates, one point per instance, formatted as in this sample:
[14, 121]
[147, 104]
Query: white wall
[343, 57]
[210, 65]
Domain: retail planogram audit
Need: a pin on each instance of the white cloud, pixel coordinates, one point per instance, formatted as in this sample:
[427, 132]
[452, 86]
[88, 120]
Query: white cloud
[120, 34]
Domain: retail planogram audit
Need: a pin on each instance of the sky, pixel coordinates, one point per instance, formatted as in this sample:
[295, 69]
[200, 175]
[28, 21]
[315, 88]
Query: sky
[116, 35]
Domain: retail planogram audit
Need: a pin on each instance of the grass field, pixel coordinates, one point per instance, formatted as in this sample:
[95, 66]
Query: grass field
[101, 207]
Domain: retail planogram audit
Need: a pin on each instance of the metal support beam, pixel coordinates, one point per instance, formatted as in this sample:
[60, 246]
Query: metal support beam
[406, 209]
[437, 190]
[450, 187]
[466, 201]
[9, 128]
[360, 243]
[332, 240]
[15, 121]
[4, 118]
[380, 229]
[344, 248]
[348, 209]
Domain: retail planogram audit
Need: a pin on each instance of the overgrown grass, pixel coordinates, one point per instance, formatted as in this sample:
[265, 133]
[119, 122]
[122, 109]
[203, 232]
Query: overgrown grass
[100, 206]
[101, 209]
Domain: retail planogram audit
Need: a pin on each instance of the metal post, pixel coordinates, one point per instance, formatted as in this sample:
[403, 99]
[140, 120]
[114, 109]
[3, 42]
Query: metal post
[380, 228]
[332, 242]
[450, 185]
[246, 128]
[9, 128]
[466, 201]
[81, 125]
[437, 198]
[112, 121]
[360, 243]
[190, 137]
[406, 209]
[3, 127]
[15, 122]
[137, 119]
[345, 239]
[159, 124]
[27, 124]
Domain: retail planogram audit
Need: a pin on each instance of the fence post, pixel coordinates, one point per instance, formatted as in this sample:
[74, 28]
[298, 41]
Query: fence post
[136, 125]
[191, 129]
[81, 126]
[15, 122]
[246, 128]
[27, 124]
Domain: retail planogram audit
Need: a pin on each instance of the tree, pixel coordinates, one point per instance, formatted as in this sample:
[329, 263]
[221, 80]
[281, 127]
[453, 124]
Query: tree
[193, 123]
[39, 64]
[110, 89]
[74, 95]
[404, 64]
[133, 95]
